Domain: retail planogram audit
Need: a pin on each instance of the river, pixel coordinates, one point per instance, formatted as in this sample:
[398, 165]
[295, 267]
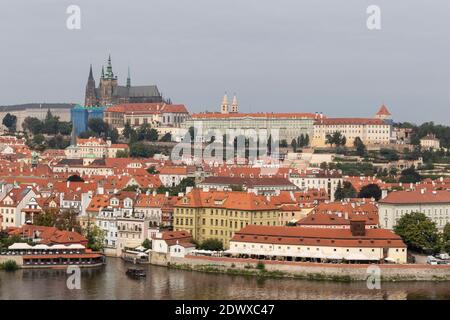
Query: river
[110, 282]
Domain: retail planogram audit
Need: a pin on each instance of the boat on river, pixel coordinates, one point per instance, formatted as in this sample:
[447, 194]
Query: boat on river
[136, 273]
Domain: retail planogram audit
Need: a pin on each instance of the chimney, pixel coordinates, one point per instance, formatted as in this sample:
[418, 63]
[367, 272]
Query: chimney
[358, 228]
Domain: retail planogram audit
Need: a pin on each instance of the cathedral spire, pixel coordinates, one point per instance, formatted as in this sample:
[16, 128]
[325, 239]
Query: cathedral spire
[103, 72]
[90, 96]
[91, 77]
[128, 78]
[109, 72]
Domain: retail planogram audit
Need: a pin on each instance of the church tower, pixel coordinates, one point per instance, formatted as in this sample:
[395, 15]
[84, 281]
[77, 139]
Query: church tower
[90, 96]
[224, 107]
[234, 105]
[108, 85]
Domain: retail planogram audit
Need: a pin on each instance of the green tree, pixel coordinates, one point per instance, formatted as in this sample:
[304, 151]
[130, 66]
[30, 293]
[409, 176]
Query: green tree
[336, 139]
[98, 126]
[10, 122]
[344, 191]
[418, 232]
[283, 143]
[410, 175]
[389, 154]
[301, 140]
[39, 139]
[46, 219]
[360, 147]
[152, 170]
[153, 135]
[95, 237]
[127, 130]
[166, 138]
[446, 238]
[212, 245]
[306, 141]
[370, 191]
[192, 133]
[142, 150]
[294, 145]
[147, 244]
[65, 128]
[113, 135]
[51, 123]
[67, 220]
[33, 125]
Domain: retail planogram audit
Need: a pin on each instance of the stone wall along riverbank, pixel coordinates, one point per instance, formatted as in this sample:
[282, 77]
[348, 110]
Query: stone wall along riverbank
[306, 270]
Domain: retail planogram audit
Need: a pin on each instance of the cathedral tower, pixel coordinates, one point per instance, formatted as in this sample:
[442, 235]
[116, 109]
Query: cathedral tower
[90, 96]
[224, 107]
[234, 105]
[108, 85]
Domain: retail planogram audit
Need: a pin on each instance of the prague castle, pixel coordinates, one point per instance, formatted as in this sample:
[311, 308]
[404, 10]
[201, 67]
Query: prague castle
[109, 92]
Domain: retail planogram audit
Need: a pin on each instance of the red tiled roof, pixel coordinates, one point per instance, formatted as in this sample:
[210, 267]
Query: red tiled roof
[217, 115]
[349, 121]
[225, 199]
[383, 111]
[317, 237]
[49, 235]
[417, 197]
[154, 108]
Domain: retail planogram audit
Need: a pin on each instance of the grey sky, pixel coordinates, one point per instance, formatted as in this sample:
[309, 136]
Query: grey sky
[283, 55]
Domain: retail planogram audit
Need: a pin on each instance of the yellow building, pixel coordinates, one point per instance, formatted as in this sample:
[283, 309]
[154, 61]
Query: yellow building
[219, 214]
[372, 131]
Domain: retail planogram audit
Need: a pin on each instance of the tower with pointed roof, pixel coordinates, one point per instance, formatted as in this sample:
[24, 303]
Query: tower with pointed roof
[90, 96]
[108, 85]
[383, 114]
[225, 107]
[234, 105]
[128, 79]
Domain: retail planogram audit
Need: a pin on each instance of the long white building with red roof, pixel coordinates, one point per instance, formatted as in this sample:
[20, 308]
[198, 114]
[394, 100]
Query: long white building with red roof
[372, 131]
[289, 125]
[356, 244]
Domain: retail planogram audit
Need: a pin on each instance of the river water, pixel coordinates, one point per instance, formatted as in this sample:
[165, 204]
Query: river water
[111, 282]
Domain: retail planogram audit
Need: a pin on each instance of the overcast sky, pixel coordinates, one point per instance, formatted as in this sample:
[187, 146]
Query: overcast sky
[283, 55]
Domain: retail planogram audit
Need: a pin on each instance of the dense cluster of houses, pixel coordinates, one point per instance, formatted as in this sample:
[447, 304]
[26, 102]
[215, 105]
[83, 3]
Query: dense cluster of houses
[289, 213]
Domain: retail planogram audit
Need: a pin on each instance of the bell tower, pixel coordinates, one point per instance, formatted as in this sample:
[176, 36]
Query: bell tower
[234, 105]
[224, 107]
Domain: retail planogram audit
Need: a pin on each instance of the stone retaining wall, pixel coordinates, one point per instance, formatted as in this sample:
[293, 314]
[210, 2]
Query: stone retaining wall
[314, 271]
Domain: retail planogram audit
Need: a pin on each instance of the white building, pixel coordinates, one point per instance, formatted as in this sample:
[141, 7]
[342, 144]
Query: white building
[316, 244]
[430, 142]
[171, 176]
[173, 243]
[288, 125]
[94, 148]
[316, 179]
[435, 204]
[153, 114]
[11, 206]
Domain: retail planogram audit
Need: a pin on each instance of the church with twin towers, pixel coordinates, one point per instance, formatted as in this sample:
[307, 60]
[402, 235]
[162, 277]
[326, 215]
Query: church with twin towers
[109, 92]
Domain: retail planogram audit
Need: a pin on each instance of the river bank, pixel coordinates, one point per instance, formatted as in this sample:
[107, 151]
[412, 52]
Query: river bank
[305, 270]
[111, 282]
